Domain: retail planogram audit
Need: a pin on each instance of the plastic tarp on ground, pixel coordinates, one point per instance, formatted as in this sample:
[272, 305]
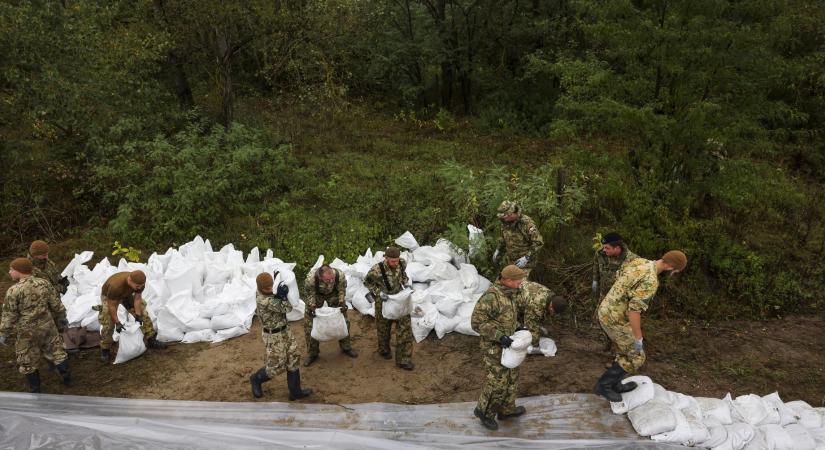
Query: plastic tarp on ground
[552, 422]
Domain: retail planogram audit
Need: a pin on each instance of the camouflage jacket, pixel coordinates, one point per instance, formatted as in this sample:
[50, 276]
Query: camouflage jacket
[635, 285]
[395, 277]
[605, 268]
[532, 307]
[520, 238]
[31, 302]
[496, 315]
[318, 292]
[272, 311]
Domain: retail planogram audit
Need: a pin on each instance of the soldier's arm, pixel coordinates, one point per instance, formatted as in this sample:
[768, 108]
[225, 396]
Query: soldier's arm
[139, 305]
[640, 294]
[372, 283]
[481, 319]
[113, 304]
[10, 314]
[536, 241]
[342, 291]
[282, 305]
[309, 289]
[55, 305]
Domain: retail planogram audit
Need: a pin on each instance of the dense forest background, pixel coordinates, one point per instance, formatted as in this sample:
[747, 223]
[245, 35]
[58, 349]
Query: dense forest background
[324, 126]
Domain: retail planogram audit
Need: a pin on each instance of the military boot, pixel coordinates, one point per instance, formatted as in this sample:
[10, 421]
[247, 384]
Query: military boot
[517, 411]
[350, 352]
[34, 381]
[63, 370]
[152, 342]
[310, 359]
[605, 385]
[621, 388]
[488, 422]
[257, 379]
[293, 382]
[105, 354]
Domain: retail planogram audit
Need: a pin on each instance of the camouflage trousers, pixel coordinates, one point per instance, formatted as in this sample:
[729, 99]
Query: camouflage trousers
[313, 346]
[498, 395]
[36, 342]
[623, 347]
[281, 353]
[107, 326]
[403, 335]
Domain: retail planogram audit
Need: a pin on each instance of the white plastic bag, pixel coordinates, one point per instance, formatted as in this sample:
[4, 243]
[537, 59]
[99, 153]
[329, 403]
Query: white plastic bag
[652, 418]
[476, 238]
[750, 409]
[802, 439]
[739, 435]
[444, 324]
[808, 416]
[407, 240]
[229, 333]
[513, 356]
[397, 305]
[225, 321]
[718, 409]
[786, 415]
[643, 393]
[328, 324]
[680, 434]
[421, 326]
[206, 335]
[130, 339]
[547, 347]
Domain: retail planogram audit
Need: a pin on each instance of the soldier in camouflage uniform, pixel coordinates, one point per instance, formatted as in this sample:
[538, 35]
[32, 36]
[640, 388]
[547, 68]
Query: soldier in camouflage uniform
[31, 309]
[325, 285]
[384, 279]
[123, 288]
[606, 262]
[620, 317]
[281, 350]
[520, 238]
[536, 304]
[44, 268]
[495, 318]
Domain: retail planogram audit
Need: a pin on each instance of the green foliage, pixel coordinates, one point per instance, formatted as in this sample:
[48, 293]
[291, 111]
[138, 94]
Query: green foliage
[130, 253]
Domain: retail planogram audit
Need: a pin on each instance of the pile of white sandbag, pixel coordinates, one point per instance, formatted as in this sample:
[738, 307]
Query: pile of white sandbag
[192, 293]
[445, 287]
[746, 422]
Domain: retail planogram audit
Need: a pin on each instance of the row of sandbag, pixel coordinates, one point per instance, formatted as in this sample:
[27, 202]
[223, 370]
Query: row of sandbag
[746, 422]
[193, 293]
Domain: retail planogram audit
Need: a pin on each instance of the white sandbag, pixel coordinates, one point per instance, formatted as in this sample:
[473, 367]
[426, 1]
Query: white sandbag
[652, 418]
[91, 322]
[418, 272]
[717, 434]
[750, 409]
[198, 324]
[739, 435]
[718, 409]
[420, 303]
[802, 439]
[427, 255]
[78, 260]
[469, 276]
[447, 295]
[130, 339]
[328, 324]
[170, 329]
[465, 309]
[476, 238]
[444, 324]
[420, 286]
[786, 415]
[421, 326]
[297, 312]
[338, 264]
[680, 434]
[360, 302]
[808, 416]
[229, 333]
[465, 326]
[547, 347]
[397, 305]
[191, 337]
[217, 273]
[521, 340]
[457, 255]
[681, 401]
[440, 270]
[642, 394]
[513, 356]
[183, 306]
[407, 240]
[225, 321]
[483, 285]
[773, 437]
[81, 307]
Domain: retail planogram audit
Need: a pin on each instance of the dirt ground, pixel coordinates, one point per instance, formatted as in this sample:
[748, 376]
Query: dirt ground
[739, 357]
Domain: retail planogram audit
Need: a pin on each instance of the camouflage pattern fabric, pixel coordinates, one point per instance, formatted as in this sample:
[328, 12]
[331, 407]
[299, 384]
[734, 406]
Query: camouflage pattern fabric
[47, 270]
[605, 268]
[107, 326]
[496, 315]
[636, 284]
[30, 309]
[532, 307]
[281, 349]
[520, 238]
[315, 298]
[397, 279]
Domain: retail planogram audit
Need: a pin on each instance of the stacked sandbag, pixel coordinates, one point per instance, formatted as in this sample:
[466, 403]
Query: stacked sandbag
[192, 293]
[746, 422]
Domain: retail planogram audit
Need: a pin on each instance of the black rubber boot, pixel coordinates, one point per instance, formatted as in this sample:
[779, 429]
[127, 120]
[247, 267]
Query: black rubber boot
[310, 359]
[154, 343]
[609, 378]
[488, 422]
[256, 380]
[407, 366]
[63, 370]
[34, 382]
[519, 410]
[387, 355]
[105, 354]
[350, 352]
[621, 388]
[293, 382]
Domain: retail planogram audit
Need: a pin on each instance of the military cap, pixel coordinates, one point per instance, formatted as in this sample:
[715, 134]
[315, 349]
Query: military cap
[392, 252]
[264, 281]
[22, 265]
[612, 238]
[507, 207]
[39, 248]
[675, 259]
[513, 272]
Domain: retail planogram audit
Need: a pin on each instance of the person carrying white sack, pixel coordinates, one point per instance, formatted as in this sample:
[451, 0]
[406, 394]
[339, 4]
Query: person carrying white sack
[495, 318]
[384, 279]
[325, 285]
[536, 305]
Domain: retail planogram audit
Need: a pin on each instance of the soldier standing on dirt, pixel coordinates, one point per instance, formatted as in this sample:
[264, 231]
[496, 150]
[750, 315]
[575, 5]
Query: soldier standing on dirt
[495, 318]
[325, 285]
[606, 262]
[520, 238]
[31, 309]
[620, 315]
[384, 279]
[125, 289]
[281, 350]
[536, 304]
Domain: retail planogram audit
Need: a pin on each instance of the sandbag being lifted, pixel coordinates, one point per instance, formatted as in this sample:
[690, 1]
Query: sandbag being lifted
[329, 324]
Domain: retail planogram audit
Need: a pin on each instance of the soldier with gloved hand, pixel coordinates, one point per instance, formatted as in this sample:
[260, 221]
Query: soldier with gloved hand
[125, 289]
[325, 285]
[520, 238]
[384, 279]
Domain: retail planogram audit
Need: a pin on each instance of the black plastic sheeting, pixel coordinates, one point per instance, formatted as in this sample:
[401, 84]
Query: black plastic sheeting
[34, 421]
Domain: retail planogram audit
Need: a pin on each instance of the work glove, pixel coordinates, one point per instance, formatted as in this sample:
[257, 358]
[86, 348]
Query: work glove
[505, 341]
[639, 345]
[64, 285]
[118, 327]
[383, 296]
[495, 256]
[595, 287]
[522, 262]
[282, 291]
[62, 324]
[139, 319]
[370, 297]
[3, 340]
